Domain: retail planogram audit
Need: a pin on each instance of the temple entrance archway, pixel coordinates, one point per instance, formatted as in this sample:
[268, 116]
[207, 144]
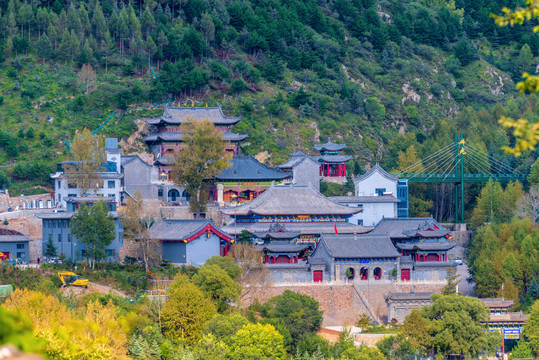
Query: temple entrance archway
[377, 273]
[173, 195]
[350, 273]
[364, 273]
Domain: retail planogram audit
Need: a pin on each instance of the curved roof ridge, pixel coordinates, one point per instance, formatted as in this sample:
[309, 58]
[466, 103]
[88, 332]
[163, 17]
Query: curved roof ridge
[377, 168]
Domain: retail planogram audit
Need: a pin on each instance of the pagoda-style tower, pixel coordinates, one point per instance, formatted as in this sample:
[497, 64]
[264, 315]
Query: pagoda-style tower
[166, 137]
[332, 163]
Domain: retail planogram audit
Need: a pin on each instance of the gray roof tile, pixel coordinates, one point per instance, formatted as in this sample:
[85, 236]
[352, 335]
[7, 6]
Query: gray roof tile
[304, 228]
[178, 229]
[377, 168]
[291, 200]
[330, 146]
[178, 137]
[436, 246]
[409, 296]
[14, 238]
[246, 167]
[404, 227]
[359, 246]
[179, 115]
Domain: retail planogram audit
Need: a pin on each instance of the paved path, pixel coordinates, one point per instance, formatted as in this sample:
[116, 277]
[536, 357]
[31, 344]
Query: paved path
[465, 287]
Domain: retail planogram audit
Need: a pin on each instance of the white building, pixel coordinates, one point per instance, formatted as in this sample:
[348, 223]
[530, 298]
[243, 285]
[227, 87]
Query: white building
[379, 194]
[111, 185]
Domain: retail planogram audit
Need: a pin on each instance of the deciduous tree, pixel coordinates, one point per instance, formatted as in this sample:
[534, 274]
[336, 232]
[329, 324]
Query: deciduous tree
[95, 228]
[218, 285]
[528, 205]
[137, 229]
[257, 341]
[531, 329]
[88, 78]
[202, 157]
[87, 160]
[186, 310]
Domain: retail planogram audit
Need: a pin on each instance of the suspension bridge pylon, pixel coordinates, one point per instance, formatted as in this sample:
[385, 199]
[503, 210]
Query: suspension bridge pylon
[459, 163]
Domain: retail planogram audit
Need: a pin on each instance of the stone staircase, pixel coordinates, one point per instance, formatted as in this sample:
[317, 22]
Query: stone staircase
[374, 296]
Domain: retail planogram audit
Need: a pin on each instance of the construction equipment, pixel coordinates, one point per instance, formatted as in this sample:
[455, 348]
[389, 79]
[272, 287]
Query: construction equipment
[69, 278]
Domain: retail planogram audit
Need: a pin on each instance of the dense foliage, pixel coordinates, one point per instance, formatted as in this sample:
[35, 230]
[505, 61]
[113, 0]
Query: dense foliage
[508, 254]
[378, 76]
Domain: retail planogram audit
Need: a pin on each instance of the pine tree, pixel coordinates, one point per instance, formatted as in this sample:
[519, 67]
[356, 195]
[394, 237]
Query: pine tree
[8, 48]
[50, 250]
[533, 290]
[453, 280]
[99, 22]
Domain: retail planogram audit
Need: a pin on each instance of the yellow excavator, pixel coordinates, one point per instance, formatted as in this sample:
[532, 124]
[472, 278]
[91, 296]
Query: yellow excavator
[69, 278]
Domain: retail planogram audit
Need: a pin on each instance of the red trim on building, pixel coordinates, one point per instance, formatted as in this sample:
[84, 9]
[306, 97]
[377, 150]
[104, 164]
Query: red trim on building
[209, 229]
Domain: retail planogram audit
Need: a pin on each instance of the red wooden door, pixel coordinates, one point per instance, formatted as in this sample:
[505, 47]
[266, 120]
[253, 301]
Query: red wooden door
[405, 274]
[317, 276]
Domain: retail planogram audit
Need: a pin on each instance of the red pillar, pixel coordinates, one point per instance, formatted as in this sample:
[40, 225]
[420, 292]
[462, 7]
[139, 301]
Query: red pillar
[339, 170]
[344, 170]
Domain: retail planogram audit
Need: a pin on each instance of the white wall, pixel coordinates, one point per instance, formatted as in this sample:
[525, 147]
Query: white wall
[374, 212]
[368, 186]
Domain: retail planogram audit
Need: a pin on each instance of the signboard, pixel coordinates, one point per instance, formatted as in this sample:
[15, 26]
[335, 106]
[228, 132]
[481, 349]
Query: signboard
[511, 333]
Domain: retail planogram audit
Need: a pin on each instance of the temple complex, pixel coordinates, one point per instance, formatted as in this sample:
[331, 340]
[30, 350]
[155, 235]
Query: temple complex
[166, 135]
[290, 215]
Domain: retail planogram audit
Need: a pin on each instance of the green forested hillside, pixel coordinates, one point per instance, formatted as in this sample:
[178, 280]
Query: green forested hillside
[378, 75]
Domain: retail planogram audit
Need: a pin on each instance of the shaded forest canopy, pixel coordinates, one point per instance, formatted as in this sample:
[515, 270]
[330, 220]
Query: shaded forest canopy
[379, 76]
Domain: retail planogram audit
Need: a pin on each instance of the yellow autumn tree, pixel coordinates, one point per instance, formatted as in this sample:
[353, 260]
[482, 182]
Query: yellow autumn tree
[95, 333]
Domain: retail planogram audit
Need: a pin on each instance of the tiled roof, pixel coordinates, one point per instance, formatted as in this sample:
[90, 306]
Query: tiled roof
[377, 168]
[517, 317]
[89, 199]
[365, 199]
[178, 137]
[179, 115]
[291, 200]
[449, 263]
[334, 158]
[358, 246]
[165, 160]
[127, 159]
[304, 228]
[405, 227]
[277, 235]
[425, 246]
[65, 215]
[282, 248]
[497, 303]
[246, 167]
[14, 238]
[330, 146]
[295, 158]
[409, 296]
[179, 229]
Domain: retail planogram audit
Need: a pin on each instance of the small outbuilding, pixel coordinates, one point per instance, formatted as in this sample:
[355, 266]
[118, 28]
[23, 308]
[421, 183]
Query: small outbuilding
[15, 247]
[190, 241]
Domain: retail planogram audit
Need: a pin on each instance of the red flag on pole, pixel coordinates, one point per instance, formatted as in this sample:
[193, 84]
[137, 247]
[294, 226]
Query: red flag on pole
[335, 225]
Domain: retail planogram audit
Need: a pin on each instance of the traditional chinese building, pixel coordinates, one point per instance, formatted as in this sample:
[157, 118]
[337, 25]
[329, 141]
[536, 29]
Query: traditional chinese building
[245, 180]
[288, 216]
[166, 135]
[190, 241]
[354, 257]
[332, 163]
[423, 244]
